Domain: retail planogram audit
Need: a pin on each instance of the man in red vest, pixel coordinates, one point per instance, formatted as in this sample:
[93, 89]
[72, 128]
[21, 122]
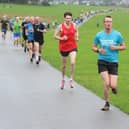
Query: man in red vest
[67, 34]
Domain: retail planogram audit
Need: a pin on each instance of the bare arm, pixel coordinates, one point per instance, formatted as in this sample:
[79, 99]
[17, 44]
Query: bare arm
[121, 47]
[57, 34]
[98, 50]
[94, 48]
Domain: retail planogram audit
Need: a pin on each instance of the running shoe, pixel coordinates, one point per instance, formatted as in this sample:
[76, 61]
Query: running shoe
[71, 83]
[106, 107]
[37, 62]
[62, 84]
[114, 90]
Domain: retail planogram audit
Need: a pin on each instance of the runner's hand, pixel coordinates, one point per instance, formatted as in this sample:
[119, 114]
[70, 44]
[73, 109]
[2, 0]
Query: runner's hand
[64, 38]
[102, 51]
[114, 47]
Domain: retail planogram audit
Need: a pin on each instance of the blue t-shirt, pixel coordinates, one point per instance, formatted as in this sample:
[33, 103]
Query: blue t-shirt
[104, 40]
[30, 29]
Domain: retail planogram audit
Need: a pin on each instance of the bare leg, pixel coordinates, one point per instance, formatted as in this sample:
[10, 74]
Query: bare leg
[106, 81]
[64, 61]
[40, 52]
[72, 62]
[36, 46]
[113, 83]
[30, 52]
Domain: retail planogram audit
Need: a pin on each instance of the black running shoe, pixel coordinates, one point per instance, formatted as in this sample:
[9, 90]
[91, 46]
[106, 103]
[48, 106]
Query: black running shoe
[106, 107]
[114, 90]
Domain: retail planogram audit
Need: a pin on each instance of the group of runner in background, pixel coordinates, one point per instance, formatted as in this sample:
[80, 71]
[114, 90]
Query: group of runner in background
[29, 29]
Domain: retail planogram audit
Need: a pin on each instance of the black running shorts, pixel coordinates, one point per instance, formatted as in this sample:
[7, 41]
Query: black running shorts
[111, 67]
[65, 54]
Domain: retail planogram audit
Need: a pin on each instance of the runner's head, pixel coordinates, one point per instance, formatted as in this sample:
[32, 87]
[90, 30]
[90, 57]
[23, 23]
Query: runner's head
[108, 23]
[32, 19]
[27, 18]
[37, 20]
[17, 18]
[68, 17]
[4, 17]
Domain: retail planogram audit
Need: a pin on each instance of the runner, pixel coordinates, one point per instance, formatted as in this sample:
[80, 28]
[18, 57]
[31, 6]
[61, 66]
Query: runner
[30, 36]
[17, 31]
[24, 34]
[11, 22]
[110, 42]
[67, 34]
[4, 26]
[39, 29]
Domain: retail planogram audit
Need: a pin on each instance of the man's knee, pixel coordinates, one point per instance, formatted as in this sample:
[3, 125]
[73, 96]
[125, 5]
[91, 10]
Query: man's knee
[63, 66]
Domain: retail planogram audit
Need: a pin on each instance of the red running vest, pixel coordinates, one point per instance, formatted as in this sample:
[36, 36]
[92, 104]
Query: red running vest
[70, 43]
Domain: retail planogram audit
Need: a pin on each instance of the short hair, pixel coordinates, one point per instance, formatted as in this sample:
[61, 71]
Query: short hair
[67, 13]
[108, 16]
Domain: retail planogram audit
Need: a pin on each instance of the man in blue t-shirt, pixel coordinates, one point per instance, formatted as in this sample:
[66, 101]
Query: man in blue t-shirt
[107, 43]
[30, 37]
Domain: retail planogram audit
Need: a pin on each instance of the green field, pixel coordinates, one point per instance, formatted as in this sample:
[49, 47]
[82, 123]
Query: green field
[86, 68]
[48, 13]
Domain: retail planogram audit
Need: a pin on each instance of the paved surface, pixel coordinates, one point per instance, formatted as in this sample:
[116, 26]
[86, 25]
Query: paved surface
[30, 98]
